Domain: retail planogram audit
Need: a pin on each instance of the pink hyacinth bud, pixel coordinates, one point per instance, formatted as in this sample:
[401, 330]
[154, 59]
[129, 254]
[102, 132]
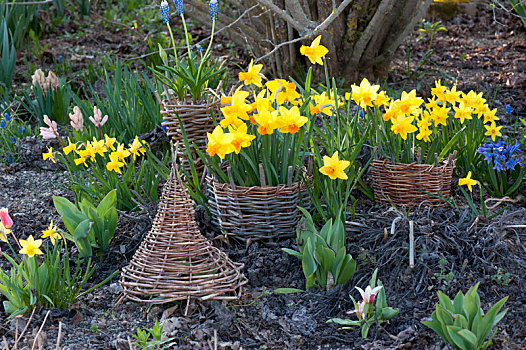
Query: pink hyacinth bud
[77, 120]
[97, 119]
[52, 80]
[51, 132]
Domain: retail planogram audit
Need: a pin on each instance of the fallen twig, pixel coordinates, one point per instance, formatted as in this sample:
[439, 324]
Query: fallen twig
[40, 329]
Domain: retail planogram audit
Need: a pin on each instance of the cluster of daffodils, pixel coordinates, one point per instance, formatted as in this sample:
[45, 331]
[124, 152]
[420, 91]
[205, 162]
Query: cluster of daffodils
[88, 151]
[410, 113]
[274, 108]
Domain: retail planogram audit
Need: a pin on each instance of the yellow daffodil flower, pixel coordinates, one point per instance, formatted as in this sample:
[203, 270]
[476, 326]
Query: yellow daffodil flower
[49, 155]
[471, 99]
[99, 147]
[463, 112]
[403, 126]
[283, 91]
[439, 91]
[121, 153]
[81, 160]
[226, 100]
[267, 122]
[409, 103]
[423, 134]
[452, 95]
[365, 94]
[52, 233]
[109, 142]
[291, 120]
[315, 51]
[440, 115]
[241, 138]
[88, 151]
[489, 116]
[381, 99]
[334, 168]
[220, 143]
[493, 130]
[69, 148]
[323, 104]
[433, 103]
[238, 109]
[114, 164]
[252, 75]
[4, 232]
[468, 181]
[30, 247]
[136, 148]
[392, 111]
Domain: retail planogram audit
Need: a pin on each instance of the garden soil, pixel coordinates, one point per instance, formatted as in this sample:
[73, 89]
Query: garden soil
[453, 250]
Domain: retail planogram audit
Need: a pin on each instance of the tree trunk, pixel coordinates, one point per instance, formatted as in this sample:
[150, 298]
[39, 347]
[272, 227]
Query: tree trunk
[361, 40]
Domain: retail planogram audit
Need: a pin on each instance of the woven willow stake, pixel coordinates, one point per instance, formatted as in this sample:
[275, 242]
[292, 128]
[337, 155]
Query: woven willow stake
[411, 245]
[176, 262]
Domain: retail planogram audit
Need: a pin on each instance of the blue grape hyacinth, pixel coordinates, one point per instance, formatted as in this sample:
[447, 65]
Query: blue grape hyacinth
[214, 10]
[503, 156]
[179, 8]
[165, 12]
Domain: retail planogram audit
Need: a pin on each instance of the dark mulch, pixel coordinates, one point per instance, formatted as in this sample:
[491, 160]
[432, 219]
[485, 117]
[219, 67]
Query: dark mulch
[446, 241]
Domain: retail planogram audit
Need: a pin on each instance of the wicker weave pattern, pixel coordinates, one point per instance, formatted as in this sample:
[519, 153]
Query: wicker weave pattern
[197, 121]
[256, 213]
[175, 261]
[404, 184]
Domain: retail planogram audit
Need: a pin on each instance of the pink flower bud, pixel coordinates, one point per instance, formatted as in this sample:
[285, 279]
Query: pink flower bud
[77, 120]
[6, 219]
[97, 119]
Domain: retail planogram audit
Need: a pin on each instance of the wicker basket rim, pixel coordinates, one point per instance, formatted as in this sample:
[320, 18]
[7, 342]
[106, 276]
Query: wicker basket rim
[403, 166]
[245, 189]
[200, 103]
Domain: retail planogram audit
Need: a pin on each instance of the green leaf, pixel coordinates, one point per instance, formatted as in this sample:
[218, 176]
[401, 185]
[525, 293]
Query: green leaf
[71, 215]
[444, 316]
[348, 266]
[343, 322]
[107, 203]
[388, 313]
[288, 290]
[491, 319]
[80, 236]
[470, 308]
[469, 336]
[445, 302]
[458, 302]
[458, 341]
[293, 252]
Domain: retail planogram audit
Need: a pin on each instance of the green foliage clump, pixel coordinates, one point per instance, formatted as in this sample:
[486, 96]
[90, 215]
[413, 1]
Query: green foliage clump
[323, 255]
[462, 323]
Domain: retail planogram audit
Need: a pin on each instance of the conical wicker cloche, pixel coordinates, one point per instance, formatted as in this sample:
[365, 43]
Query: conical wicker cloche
[176, 262]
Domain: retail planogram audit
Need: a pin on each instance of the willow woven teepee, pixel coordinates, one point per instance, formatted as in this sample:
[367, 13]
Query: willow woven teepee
[175, 262]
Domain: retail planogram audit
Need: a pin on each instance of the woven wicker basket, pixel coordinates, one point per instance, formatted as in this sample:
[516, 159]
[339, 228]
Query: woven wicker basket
[406, 184]
[258, 212]
[197, 121]
[175, 262]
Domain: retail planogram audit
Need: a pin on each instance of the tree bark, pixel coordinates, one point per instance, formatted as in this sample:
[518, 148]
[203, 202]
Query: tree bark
[361, 40]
